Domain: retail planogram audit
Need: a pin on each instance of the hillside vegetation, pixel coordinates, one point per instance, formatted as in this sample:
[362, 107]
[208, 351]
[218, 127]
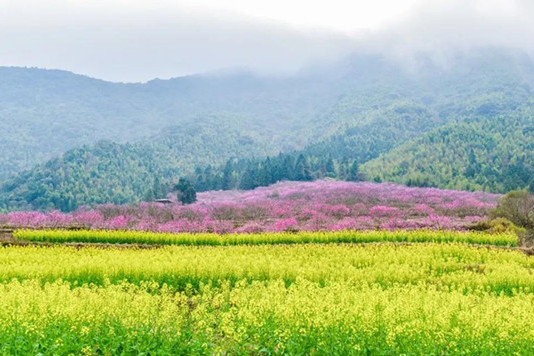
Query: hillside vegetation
[467, 126]
[491, 149]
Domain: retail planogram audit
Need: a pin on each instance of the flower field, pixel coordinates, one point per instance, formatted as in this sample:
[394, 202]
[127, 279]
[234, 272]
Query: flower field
[389, 298]
[213, 239]
[286, 206]
[296, 268]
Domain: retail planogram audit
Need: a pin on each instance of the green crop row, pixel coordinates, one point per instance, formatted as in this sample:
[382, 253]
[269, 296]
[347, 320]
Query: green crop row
[212, 239]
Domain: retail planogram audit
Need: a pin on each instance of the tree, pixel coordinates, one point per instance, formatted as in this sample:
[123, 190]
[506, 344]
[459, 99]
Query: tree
[227, 183]
[186, 193]
[158, 189]
[518, 207]
[302, 169]
[249, 179]
[149, 195]
[330, 168]
[353, 173]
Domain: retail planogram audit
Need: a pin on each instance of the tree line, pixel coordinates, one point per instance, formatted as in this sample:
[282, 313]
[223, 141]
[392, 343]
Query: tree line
[252, 173]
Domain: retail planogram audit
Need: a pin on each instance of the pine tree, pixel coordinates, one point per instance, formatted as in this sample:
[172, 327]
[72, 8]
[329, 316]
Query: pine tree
[227, 182]
[186, 193]
[302, 169]
[353, 173]
[330, 168]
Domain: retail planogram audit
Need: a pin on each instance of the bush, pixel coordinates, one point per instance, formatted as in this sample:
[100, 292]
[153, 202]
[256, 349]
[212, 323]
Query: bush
[518, 207]
[497, 226]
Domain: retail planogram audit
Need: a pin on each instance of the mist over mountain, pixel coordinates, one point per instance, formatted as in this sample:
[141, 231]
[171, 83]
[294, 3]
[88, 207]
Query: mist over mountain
[163, 39]
[364, 108]
[57, 110]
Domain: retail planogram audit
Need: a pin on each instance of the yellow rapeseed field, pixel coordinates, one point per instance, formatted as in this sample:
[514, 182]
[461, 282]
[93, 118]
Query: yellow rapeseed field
[308, 298]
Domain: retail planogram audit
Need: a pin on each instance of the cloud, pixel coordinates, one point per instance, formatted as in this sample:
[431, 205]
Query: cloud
[442, 28]
[138, 44]
[124, 40]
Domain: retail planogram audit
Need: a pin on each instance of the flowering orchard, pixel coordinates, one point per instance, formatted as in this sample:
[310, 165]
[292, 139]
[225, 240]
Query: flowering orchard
[286, 206]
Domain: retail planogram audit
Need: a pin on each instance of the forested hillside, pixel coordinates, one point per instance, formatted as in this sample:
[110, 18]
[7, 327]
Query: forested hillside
[109, 172]
[492, 150]
[56, 110]
[468, 125]
[485, 143]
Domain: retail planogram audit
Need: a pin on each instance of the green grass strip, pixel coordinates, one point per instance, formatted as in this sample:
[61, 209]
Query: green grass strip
[212, 239]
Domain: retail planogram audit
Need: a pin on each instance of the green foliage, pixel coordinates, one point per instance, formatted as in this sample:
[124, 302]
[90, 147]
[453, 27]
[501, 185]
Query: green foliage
[252, 173]
[497, 225]
[121, 173]
[186, 191]
[303, 237]
[44, 113]
[491, 153]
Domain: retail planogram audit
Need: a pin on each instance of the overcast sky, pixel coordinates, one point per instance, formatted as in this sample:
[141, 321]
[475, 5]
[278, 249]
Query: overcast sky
[136, 40]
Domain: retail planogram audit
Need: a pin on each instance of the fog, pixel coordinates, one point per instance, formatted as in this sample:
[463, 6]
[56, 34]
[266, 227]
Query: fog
[138, 41]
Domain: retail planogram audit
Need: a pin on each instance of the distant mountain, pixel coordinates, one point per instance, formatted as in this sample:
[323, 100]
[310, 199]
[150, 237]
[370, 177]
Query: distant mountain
[468, 125]
[43, 113]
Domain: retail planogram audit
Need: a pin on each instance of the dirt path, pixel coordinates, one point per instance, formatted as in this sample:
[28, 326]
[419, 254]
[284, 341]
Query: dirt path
[6, 235]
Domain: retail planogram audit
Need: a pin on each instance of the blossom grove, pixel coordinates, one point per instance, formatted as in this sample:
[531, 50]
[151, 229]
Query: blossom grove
[285, 206]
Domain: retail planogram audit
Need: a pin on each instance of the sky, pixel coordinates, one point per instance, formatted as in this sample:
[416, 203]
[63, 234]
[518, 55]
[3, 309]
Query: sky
[134, 40]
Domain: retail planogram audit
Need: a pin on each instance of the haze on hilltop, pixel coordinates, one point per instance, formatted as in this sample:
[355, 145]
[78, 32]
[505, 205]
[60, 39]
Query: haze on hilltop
[137, 40]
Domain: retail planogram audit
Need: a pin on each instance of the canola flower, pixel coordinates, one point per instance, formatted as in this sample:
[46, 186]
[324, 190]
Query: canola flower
[448, 266]
[261, 317]
[341, 299]
[213, 239]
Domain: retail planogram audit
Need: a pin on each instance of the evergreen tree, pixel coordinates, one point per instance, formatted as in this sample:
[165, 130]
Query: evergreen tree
[353, 172]
[288, 168]
[158, 189]
[186, 193]
[248, 181]
[149, 195]
[227, 181]
[302, 169]
[330, 168]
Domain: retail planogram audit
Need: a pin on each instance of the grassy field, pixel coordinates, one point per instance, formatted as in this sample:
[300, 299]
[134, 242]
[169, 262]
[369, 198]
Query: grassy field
[251, 296]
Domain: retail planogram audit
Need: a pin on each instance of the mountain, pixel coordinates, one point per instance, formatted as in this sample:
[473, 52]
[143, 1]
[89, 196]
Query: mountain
[44, 113]
[464, 125]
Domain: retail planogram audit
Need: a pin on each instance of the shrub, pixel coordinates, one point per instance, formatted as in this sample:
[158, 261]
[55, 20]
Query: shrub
[518, 207]
[497, 226]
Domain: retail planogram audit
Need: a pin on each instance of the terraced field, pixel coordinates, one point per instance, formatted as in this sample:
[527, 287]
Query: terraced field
[416, 292]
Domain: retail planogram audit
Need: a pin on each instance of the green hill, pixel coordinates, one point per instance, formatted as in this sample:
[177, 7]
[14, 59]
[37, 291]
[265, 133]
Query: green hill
[486, 151]
[109, 172]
